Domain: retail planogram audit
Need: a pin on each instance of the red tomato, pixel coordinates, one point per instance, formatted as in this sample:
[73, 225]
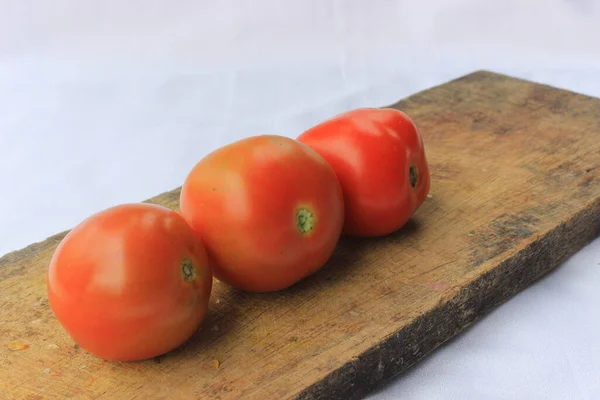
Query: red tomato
[130, 282]
[379, 158]
[268, 209]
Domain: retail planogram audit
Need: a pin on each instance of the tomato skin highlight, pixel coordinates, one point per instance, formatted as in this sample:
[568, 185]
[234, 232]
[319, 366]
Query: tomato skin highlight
[268, 209]
[130, 282]
[379, 158]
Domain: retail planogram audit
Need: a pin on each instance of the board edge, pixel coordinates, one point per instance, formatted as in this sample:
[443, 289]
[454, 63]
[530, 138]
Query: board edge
[396, 354]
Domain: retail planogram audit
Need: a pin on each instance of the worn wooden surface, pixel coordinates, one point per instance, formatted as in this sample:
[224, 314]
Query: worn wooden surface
[515, 190]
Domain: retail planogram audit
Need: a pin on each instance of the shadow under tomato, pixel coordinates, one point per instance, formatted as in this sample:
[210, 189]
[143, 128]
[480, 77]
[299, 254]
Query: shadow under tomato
[225, 313]
[232, 312]
[347, 259]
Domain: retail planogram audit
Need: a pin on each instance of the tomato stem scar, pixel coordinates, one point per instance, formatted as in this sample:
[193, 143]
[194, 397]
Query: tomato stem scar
[413, 175]
[188, 270]
[305, 221]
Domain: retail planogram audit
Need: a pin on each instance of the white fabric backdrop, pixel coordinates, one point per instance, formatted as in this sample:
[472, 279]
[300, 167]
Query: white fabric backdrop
[113, 101]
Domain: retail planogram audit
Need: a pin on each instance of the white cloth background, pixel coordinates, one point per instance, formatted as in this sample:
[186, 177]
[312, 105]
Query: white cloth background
[105, 102]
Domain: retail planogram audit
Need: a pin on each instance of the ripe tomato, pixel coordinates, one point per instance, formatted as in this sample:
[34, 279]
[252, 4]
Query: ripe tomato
[130, 282]
[268, 209]
[379, 158]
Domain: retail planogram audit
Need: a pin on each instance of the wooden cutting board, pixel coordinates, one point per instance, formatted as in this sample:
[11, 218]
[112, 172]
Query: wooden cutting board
[515, 191]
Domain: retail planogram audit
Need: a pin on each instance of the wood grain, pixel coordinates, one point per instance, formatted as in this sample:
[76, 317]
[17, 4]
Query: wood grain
[515, 191]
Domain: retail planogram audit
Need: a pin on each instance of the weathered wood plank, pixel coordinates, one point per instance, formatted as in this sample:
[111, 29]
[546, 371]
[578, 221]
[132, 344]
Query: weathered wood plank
[515, 191]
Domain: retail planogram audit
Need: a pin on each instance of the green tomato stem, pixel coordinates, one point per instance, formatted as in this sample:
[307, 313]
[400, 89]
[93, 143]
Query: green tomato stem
[305, 221]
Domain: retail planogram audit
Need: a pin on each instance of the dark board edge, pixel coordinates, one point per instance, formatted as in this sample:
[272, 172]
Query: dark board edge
[427, 332]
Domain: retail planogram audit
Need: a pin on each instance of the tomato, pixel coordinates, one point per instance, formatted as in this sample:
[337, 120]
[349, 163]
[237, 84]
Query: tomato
[130, 282]
[268, 209]
[379, 158]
